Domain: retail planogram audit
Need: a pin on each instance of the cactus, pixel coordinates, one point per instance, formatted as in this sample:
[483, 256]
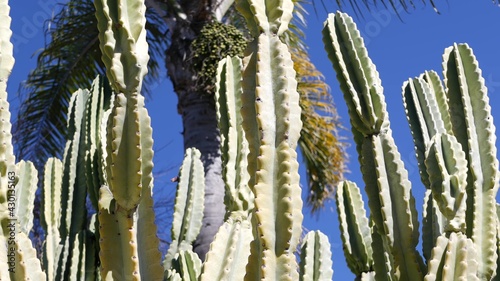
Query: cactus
[17, 182]
[129, 146]
[355, 229]
[271, 120]
[461, 176]
[234, 146]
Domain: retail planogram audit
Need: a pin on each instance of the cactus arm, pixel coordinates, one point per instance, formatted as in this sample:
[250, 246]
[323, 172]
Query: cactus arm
[123, 162]
[118, 241]
[27, 266]
[189, 204]
[354, 228]
[229, 252]
[234, 146]
[447, 169]
[99, 102]
[268, 16]
[439, 94]
[187, 264]
[278, 209]
[6, 48]
[315, 257]
[392, 203]
[7, 163]
[473, 127]
[25, 195]
[77, 269]
[453, 259]
[148, 243]
[74, 190]
[387, 184]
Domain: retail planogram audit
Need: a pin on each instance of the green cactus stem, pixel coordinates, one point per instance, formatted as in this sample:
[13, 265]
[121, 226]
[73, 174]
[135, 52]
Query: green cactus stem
[228, 254]
[189, 204]
[433, 224]
[394, 212]
[315, 257]
[271, 120]
[234, 146]
[355, 229]
[122, 37]
[51, 216]
[98, 103]
[387, 185]
[474, 129]
[453, 258]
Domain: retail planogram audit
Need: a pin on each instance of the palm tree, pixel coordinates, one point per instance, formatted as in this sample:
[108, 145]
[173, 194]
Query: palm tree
[72, 59]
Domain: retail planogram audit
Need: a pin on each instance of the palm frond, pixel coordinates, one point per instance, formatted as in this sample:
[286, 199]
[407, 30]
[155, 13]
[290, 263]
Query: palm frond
[71, 60]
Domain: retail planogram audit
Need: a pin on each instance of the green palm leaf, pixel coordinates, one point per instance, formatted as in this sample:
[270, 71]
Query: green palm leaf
[70, 61]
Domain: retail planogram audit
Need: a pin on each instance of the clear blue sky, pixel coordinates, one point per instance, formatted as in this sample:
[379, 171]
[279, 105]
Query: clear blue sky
[399, 48]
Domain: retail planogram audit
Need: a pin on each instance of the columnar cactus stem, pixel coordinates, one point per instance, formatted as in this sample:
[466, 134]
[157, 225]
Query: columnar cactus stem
[453, 258]
[453, 132]
[228, 254]
[129, 155]
[26, 189]
[99, 102]
[189, 204]
[51, 215]
[387, 184]
[122, 37]
[315, 257]
[474, 129]
[271, 119]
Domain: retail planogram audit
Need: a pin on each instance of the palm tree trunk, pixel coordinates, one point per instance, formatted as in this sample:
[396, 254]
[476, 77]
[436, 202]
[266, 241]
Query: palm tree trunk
[197, 108]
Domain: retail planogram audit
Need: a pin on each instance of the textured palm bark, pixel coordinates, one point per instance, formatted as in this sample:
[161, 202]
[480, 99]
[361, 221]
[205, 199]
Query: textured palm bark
[197, 108]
